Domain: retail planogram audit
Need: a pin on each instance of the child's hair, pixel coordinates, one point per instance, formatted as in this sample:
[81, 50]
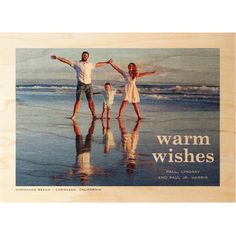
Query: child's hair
[107, 84]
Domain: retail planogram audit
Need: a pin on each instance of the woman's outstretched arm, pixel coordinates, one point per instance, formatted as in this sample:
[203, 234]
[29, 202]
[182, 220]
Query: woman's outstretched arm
[55, 57]
[117, 68]
[146, 73]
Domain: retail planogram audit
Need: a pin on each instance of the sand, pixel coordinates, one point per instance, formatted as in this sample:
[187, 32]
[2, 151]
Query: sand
[50, 153]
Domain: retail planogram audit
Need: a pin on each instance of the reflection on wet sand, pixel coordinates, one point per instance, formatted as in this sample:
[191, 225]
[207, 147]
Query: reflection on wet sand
[129, 142]
[83, 167]
[108, 139]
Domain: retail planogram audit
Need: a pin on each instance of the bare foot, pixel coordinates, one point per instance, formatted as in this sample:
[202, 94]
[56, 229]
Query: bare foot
[73, 117]
[140, 118]
[118, 117]
[95, 117]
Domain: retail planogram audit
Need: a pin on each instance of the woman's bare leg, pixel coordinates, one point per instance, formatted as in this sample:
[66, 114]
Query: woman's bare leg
[108, 113]
[122, 107]
[103, 111]
[136, 109]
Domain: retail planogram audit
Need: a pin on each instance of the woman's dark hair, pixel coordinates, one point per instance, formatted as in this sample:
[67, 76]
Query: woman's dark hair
[135, 72]
[107, 84]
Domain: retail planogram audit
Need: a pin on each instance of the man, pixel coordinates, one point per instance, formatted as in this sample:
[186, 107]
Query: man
[83, 70]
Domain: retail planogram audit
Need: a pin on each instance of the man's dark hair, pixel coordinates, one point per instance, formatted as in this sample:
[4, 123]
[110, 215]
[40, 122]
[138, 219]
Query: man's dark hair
[107, 84]
[85, 52]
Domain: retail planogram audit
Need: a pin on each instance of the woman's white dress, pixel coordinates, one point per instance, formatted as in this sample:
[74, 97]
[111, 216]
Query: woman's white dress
[131, 93]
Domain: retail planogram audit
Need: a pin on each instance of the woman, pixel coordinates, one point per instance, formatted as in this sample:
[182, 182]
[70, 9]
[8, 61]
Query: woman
[130, 93]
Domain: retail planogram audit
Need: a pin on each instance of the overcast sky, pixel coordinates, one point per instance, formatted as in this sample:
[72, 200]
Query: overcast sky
[178, 66]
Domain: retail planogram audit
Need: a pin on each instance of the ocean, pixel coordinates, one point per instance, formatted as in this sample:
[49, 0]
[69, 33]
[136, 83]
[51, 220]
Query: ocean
[202, 93]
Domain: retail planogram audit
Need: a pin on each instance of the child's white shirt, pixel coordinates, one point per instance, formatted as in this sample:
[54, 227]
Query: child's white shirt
[108, 97]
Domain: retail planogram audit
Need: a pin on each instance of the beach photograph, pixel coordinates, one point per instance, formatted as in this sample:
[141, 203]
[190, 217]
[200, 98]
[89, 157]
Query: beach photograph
[117, 116]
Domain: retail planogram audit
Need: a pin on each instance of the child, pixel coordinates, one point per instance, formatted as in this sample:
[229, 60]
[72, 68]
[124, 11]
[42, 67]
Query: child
[108, 99]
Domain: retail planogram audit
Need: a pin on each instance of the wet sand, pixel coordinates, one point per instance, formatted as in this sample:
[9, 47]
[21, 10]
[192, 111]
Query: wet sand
[54, 151]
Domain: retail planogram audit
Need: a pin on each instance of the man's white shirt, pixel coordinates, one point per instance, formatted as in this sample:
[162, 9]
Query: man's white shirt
[83, 71]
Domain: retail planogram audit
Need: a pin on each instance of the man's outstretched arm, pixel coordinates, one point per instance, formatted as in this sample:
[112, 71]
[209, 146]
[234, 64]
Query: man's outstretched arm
[99, 64]
[55, 57]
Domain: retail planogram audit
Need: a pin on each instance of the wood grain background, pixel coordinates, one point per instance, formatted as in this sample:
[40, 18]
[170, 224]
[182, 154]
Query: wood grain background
[10, 41]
